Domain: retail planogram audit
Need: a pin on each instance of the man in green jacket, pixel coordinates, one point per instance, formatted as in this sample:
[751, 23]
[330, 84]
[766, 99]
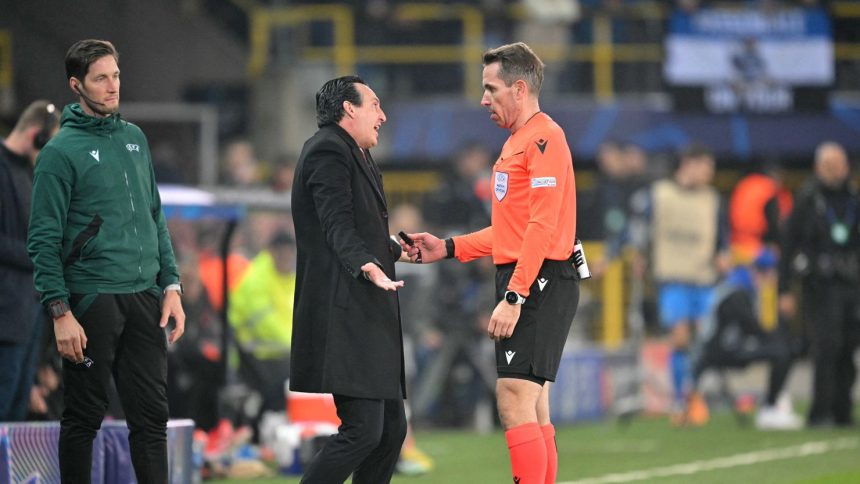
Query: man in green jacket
[105, 269]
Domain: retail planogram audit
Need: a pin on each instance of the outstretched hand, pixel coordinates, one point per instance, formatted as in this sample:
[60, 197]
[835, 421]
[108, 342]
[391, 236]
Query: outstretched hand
[427, 246]
[376, 276]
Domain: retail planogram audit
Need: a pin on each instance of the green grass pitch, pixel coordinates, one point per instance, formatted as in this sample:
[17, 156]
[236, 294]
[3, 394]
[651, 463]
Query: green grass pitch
[649, 450]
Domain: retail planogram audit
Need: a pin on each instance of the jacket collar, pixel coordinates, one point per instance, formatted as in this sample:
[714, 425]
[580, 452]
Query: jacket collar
[75, 117]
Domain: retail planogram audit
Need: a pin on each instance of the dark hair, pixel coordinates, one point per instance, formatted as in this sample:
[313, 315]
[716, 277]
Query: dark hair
[282, 238]
[331, 96]
[83, 53]
[42, 114]
[695, 150]
[691, 151]
[517, 61]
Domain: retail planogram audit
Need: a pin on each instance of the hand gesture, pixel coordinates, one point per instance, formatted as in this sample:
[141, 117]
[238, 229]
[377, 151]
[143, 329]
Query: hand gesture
[429, 247]
[172, 306]
[376, 276]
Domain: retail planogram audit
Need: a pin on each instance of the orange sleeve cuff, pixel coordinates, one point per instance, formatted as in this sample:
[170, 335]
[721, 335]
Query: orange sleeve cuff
[473, 246]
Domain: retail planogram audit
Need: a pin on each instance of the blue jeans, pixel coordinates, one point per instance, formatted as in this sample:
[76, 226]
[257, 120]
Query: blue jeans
[18, 363]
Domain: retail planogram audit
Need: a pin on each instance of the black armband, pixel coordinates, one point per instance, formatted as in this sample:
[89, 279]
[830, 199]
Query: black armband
[449, 248]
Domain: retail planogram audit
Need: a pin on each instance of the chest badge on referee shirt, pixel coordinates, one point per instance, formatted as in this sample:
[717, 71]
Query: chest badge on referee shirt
[501, 185]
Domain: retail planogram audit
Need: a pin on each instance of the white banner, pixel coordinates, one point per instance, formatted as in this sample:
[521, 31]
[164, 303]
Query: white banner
[793, 47]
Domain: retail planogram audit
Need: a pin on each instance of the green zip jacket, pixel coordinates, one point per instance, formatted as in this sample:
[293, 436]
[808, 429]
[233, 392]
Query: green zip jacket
[96, 224]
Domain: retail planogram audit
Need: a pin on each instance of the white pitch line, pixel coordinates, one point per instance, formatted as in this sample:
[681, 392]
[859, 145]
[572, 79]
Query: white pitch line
[737, 460]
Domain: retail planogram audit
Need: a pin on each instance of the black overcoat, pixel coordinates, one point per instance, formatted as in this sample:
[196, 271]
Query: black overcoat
[17, 292]
[347, 337]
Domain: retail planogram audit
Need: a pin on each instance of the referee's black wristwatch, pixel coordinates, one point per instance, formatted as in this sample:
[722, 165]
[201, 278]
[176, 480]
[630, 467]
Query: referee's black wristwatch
[514, 298]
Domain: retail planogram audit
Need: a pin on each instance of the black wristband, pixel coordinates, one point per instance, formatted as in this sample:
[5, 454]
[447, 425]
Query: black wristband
[58, 308]
[449, 248]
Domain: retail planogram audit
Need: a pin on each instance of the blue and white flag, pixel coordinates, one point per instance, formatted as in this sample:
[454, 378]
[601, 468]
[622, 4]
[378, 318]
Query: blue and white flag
[791, 47]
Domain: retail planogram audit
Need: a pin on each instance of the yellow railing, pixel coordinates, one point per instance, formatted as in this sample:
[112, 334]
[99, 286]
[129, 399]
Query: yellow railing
[602, 53]
[264, 19]
[610, 290]
[5, 59]
[345, 54]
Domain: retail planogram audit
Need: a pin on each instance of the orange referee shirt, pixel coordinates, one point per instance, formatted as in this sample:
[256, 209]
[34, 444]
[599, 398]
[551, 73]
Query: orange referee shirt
[534, 204]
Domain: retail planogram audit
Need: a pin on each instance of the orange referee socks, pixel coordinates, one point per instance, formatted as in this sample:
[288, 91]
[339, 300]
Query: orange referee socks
[528, 453]
[551, 453]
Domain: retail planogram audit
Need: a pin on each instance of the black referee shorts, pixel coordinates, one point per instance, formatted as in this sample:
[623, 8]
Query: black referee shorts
[534, 350]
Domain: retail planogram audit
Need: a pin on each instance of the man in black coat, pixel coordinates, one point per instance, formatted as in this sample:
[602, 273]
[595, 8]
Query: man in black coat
[20, 321]
[347, 338]
[20, 313]
[821, 249]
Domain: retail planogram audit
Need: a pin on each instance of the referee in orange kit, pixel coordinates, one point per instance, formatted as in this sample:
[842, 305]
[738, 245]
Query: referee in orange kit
[531, 239]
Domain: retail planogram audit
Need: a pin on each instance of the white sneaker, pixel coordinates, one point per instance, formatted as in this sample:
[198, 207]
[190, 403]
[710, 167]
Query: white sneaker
[775, 418]
[783, 403]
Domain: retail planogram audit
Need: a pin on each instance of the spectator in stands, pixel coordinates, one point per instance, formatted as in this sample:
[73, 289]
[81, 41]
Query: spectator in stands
[195, 371]
[461, 201]
[166, 163]
[282, 174]
[21, 316]
[261, 315]
[212, 265]
[418, 280]
[621, 174]
[46, 396]
[456, 381]
[452, 354]
[821, 250]
[686, 217]
[608, 205]
[732, 337]
[688, 6]
[548, 24]
[758, 206]
[240, 165]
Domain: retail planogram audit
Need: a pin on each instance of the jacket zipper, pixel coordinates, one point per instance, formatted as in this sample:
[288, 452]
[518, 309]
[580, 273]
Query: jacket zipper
[133, 215]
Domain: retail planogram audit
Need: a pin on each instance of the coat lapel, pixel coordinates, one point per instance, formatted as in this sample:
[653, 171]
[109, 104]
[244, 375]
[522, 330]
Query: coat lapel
[371, 177]
[362, 164]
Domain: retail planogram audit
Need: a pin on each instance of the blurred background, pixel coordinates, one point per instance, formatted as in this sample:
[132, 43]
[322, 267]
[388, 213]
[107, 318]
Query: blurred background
[224, 91]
